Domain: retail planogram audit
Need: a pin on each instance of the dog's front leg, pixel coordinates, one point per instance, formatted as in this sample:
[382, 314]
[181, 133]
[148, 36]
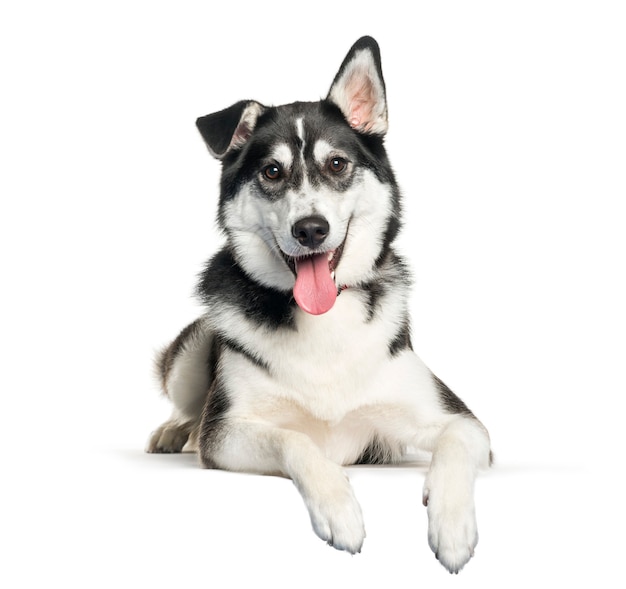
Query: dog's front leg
[250, 446]
[461, 448]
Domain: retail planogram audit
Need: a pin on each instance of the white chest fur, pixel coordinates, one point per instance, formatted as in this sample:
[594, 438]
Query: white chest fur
[326, 365]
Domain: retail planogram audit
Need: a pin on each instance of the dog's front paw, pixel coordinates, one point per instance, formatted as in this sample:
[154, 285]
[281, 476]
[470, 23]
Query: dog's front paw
[452, 530]
[336, 514]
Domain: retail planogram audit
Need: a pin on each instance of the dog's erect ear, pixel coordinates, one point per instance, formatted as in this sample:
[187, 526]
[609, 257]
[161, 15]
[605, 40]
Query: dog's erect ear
[359, 89]
[229, 128]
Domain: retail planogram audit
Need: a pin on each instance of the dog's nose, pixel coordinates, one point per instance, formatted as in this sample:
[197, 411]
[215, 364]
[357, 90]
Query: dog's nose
[311, 231]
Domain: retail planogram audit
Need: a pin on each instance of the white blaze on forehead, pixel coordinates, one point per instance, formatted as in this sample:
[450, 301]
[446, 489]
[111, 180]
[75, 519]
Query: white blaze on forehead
[282, 154]
[300, 129]
[322, 151]
[300, 133]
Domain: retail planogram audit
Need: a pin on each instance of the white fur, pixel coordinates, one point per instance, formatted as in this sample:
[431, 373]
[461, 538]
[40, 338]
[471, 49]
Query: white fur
[462, 447]
[188, 381]
[300, 133]
[300, 129]
[300, 421]
[323, 150]
[259, 226]
[305, 398]
[282, 155]
[305, 412]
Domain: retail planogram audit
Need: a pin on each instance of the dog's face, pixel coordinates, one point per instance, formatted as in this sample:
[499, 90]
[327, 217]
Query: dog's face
[308, 199]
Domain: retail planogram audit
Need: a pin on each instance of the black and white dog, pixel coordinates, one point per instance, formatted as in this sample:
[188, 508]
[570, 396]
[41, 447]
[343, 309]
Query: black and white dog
[303, 360]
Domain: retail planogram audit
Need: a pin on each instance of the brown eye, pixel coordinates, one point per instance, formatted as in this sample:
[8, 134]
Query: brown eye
[272, 172]
[337, 165]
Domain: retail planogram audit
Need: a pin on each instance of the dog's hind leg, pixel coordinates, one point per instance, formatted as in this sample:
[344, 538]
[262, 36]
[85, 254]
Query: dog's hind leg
[185, 369]
[171, 436]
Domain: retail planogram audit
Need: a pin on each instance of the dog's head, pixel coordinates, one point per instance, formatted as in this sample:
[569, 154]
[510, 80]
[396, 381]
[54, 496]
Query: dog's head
[308, 199]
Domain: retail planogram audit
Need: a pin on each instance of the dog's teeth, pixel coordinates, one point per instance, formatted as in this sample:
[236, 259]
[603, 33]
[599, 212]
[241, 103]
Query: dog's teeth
[331, 255]
[332, 275]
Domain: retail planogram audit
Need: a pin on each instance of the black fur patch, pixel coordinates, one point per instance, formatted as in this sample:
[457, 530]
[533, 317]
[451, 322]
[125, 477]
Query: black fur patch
[402, 341]
[449, 401]
[379, 452]
[218, 128]
[224, 280]
[212, 428]
[239, 349]
[321, 120]
[391, 232]
[374, 290]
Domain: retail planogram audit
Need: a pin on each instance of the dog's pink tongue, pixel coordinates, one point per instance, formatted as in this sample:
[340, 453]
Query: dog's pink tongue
[315, 290]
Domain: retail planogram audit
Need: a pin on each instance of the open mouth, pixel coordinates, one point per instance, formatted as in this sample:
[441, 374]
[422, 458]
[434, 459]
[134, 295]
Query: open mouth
[315, 290]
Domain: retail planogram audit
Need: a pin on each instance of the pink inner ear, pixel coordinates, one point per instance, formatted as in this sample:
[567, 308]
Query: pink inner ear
[361, 101]
[241, 135]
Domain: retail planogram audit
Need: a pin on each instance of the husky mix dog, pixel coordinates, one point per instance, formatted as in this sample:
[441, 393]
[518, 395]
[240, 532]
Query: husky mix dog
[303, 362]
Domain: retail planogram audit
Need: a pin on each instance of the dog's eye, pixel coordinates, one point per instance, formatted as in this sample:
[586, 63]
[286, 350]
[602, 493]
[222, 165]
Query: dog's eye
[272, 172]
[337, 165]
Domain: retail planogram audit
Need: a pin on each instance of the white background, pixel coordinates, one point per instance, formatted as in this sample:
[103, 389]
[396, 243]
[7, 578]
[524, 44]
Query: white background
[508, 135]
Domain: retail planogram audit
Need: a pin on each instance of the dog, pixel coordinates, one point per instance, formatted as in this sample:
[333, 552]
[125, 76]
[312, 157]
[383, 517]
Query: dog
[303, 362]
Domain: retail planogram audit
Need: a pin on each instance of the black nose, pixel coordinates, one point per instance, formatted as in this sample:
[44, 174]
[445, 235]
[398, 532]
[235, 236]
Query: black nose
[311, 231]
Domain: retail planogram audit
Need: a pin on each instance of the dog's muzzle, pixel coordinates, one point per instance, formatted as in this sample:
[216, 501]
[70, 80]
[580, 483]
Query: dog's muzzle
[315, 290]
